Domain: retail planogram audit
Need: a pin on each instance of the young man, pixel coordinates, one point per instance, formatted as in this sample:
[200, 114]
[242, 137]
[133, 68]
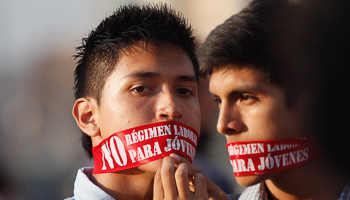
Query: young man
[137, 102]
[271, 149]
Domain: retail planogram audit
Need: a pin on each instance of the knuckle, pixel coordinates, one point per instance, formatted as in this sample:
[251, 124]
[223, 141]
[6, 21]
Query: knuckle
[180, 174]
[199, 177]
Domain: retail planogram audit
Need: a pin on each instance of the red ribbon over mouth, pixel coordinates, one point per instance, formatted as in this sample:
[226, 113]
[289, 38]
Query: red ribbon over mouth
[143, 144]
[262, 157]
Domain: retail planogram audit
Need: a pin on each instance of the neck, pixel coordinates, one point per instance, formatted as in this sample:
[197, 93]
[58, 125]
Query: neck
[315, 179]
[127, 184]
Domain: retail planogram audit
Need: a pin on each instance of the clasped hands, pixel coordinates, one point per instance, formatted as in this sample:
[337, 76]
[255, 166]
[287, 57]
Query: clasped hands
[178, 179]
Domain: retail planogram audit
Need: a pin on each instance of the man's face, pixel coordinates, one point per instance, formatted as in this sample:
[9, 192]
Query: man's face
[250, 110]
[147, 87]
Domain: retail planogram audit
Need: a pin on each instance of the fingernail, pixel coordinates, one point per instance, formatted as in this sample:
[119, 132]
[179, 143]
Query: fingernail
[176, 157]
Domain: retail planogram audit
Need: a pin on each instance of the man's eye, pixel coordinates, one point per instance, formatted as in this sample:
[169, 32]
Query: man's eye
[141, 89]
[185, 91]
[246, 97]
[217, 102]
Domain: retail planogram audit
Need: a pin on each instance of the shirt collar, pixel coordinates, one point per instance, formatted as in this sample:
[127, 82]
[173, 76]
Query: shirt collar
[84, 189]
[255, 192]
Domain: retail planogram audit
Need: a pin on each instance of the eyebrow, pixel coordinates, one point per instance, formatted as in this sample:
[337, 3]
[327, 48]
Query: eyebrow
[157, 74]
[187, 78]
[241, 90]
[142, 74]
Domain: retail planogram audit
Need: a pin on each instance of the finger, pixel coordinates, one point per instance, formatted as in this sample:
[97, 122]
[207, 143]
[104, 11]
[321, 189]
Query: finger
[181, 178]
[179, 159]
[200, 186]
[158, 192]
[191, 169]
[213, 190]
[167, 177]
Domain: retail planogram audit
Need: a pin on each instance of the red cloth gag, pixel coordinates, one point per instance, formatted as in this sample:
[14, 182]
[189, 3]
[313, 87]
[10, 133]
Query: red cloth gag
[261, 157]
[143, 144]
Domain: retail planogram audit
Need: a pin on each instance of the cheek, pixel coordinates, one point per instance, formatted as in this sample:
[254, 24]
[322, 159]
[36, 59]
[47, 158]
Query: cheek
[140, 112]
[196, 110]
[111, 122]
[144, 109]
[253, 116]
[192, 114]
[279, 124]
[116, 116]
[260, 123]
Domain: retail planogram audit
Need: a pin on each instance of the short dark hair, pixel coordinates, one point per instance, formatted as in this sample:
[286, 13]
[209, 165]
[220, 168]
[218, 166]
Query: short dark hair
[247, 39]
[156, 24]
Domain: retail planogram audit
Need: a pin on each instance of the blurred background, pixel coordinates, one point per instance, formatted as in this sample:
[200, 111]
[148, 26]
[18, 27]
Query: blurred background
[40, 148]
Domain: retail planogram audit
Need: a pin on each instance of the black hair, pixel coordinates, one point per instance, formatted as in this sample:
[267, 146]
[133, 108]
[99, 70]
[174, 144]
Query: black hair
[129, 25]
[247, 39]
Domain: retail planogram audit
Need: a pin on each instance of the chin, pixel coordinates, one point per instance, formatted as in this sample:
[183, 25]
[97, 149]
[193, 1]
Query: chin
[251, 180]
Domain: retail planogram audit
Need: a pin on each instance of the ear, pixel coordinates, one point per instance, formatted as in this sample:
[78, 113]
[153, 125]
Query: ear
[84, 112]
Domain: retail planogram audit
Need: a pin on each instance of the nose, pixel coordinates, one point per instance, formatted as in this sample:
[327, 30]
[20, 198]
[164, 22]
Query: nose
[168, 108]
[229, 121]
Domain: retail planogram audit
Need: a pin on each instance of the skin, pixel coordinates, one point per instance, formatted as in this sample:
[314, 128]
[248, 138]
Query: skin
[145, 87]
[178, 179]
[252, 109]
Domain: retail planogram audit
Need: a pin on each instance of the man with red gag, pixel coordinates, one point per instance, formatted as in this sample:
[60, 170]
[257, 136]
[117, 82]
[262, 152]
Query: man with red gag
[136, 85]
[271, 148]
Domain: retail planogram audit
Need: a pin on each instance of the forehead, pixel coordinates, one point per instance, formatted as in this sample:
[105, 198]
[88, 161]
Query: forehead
[242, 68]
[240, 79]
[235, 75]
[167, 62]
[155, 57]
